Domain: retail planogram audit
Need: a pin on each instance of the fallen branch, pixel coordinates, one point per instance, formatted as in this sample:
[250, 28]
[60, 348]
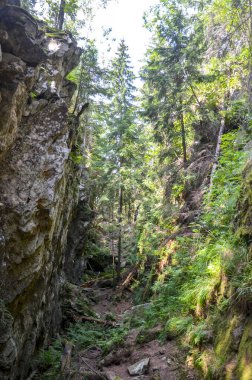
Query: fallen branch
[128, 279]
[96, 320]
[89, 283]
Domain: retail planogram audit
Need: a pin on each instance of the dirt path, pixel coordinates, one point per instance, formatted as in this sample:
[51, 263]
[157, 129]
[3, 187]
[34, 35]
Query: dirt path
[162, 361]
[106, 302]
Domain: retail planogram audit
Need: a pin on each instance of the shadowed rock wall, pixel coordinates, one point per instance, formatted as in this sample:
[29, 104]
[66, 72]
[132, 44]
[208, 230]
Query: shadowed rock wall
[38, 183]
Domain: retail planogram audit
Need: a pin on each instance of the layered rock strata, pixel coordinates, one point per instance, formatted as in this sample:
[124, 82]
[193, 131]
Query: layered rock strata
[38, 183]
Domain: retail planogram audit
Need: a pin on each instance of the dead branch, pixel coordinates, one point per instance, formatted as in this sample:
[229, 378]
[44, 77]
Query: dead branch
[128, 279]
[96, 320]
[89, 283]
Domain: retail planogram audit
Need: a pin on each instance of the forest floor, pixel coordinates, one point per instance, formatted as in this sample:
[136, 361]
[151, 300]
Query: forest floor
[150, 359]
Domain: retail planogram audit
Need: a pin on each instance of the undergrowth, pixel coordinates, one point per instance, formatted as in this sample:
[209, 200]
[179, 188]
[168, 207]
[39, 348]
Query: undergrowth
[203, 273]
[209, 269]
[82, 336]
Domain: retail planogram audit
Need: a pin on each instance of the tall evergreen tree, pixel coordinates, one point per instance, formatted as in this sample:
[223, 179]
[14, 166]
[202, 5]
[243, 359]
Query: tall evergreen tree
[121, 130]
[170, 70]
[116, 156]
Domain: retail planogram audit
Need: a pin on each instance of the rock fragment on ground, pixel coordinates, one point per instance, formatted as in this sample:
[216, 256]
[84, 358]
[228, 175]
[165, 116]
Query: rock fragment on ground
[139, 368]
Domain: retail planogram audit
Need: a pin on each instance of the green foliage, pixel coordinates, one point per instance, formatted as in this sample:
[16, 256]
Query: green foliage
[73, 76]
[198, 70]
[204, 266]
[116, 157]
[85, 336]
[49, 360]
[169, 73]
[198, 334]
[77, 158]
[33, 95]
[226, 188]
[82, 336]
[178, 325]
[71, 15]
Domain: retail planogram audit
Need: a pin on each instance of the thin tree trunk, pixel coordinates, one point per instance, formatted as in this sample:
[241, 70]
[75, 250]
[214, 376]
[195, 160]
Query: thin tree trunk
[61, 15]
[136, 213]
[250, 64]
[113, 242]
[217, 151]
[129, 210]
[183, 138]
[119, 244]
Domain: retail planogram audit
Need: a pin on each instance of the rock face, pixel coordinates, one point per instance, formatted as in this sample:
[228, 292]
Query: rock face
[39, 183]
[75, 263]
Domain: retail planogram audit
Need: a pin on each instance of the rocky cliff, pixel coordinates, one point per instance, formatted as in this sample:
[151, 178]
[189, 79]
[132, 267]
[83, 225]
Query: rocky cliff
[38, 182]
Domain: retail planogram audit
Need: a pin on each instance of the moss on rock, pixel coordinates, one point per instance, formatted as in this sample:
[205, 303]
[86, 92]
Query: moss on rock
[244, 367]
[245, 205]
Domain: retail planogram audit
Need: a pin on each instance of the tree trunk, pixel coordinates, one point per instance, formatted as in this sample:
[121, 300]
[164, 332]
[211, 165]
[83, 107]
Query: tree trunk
[61, 15]
[183, 138]
[129, 211]
[136, 213]
[119, 243]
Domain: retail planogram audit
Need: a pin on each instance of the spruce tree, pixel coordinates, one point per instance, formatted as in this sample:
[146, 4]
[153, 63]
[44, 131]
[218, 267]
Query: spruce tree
[121, 130]
[170, 70]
